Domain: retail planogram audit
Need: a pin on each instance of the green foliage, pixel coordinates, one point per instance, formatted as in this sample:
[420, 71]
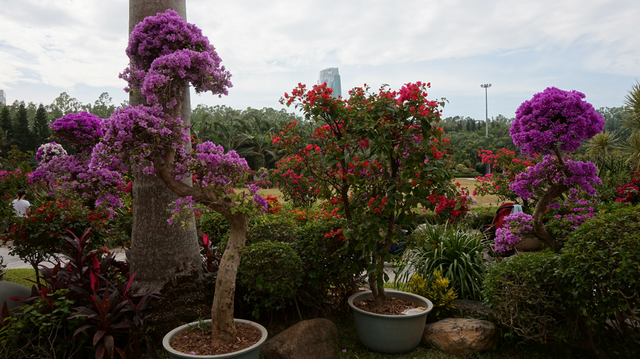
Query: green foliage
[331, 265]
[614, 172]
[271, 227]
[270, 273]
[600, 269]
[44, 330]
[39, 236]
[215, 225]
[524, 295]
[457, 254]
[436, 290]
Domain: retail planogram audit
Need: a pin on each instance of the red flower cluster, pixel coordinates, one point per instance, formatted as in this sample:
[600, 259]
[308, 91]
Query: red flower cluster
[630, 192]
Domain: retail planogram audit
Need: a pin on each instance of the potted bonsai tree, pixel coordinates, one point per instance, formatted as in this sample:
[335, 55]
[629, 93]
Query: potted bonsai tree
[375, 156]
[166, 55]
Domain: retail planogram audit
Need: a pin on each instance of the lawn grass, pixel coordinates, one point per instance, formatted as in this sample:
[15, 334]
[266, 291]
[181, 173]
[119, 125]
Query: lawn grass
[20, 276]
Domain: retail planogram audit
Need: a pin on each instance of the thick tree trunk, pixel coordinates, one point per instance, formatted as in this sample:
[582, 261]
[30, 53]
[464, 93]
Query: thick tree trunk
[160, 253]
[538, 227]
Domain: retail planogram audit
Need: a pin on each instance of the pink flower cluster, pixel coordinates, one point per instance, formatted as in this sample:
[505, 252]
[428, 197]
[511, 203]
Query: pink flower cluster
[554, 118]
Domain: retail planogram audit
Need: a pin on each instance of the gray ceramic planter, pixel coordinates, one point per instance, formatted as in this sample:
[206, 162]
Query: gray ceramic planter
[252, 352]
[390, 334]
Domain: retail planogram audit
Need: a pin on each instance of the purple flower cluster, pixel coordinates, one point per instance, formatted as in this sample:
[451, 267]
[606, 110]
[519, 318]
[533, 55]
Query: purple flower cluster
[79, 130]
[49, 150]
[132, 134]
[550, 171]
[212, 166]
[515, 226]
[164, 51]
[554, 118]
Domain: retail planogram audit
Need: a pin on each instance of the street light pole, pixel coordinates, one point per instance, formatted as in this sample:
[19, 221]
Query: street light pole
[486, 121]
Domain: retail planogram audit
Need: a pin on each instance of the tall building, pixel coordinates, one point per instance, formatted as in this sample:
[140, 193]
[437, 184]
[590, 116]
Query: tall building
[332, 78]
[3, 98]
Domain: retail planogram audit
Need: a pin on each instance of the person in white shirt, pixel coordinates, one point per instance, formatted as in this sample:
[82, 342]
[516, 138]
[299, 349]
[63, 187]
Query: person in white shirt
[21, 205]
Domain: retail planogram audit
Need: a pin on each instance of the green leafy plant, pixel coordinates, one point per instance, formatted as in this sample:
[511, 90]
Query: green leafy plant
[332, 266]
[599, 269]
[457, 254]
[270, 273]
[436, 290]
[525, 297]
[37, 237]
[44, 330]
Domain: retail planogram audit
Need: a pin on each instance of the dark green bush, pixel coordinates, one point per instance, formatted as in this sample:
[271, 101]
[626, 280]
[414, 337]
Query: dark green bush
[524, 295]
[214, 225]
[270, 274]
[41, 332]
[332, 266]
[271, 227]
[600, 268]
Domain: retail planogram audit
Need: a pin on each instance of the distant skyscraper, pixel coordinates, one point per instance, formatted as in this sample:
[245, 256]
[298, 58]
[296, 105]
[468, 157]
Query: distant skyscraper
[3, 98]
[332, 78]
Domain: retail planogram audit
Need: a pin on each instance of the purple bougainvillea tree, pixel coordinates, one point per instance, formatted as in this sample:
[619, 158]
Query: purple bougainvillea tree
[166, 55]
[69, 175]
[552, 122]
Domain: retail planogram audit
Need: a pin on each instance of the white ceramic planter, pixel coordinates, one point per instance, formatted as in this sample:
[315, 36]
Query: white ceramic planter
[252, 352]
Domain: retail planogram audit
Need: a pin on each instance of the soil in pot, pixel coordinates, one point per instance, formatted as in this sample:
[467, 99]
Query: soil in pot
[198, 341]
[393, 306]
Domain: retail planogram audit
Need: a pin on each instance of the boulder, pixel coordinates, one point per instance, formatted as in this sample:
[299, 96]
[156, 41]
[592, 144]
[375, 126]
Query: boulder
[308, 339]
[461, 336]
[10, 289]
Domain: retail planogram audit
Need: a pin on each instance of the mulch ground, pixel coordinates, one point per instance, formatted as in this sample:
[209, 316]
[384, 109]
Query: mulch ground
[198, 342]
[392, 307]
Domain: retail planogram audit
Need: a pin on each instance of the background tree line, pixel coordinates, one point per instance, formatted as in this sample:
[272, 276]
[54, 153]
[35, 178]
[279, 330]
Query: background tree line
[249, 131]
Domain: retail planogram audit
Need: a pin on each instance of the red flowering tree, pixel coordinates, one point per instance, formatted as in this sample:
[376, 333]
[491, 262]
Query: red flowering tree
[376, 156]
[505, 167]
[294, 185]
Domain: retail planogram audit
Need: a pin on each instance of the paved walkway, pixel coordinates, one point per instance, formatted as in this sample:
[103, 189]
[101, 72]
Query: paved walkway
[17, 263]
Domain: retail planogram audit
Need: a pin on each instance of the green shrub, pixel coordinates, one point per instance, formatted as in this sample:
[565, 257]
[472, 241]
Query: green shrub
[332, 267]
[270, 274]
[214, 225]
[40, 332]
[271, 227]
[524, 295]
[436, 290]
[600, 269]
[457, 254]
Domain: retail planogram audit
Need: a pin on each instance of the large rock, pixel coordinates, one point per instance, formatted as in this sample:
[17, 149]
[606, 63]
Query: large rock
[308, 339]
[10, 289]
[461, 336]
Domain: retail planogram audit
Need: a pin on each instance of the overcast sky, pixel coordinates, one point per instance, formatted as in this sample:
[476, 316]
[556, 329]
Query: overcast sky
[519, 46]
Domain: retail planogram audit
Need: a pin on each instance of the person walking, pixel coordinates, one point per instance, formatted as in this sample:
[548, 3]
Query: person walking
[21, 205]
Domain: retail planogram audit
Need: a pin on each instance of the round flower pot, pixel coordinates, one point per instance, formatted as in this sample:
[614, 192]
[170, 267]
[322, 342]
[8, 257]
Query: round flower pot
[252, 352]
[529, 244]
[390, 334]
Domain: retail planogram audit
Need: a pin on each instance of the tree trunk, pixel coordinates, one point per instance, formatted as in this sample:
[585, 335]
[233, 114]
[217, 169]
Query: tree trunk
[223, 329]
[538, 227]
[160, 253]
